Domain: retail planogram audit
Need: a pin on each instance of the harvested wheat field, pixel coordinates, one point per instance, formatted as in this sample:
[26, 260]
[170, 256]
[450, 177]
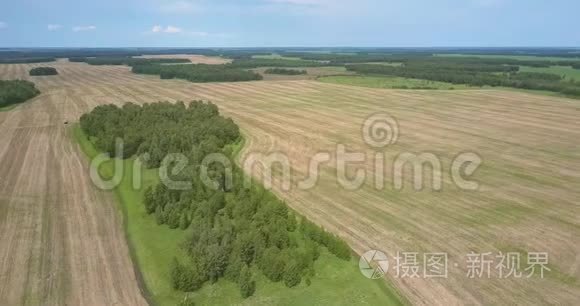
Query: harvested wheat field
[527, 200]
[62, 240]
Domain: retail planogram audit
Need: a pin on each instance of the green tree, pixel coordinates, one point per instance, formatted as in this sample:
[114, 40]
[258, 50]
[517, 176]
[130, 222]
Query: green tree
[16, 91]
[159, 215]
[272, 264]
[291, 224]
[247, 248]
[292, 274]
[234, 268]
[184, 221]
[150, 200]
[216, 262]
[43, 71]
[173, 219]
[246, 283]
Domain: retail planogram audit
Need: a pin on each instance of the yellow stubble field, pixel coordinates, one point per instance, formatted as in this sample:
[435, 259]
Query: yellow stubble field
[527, 200]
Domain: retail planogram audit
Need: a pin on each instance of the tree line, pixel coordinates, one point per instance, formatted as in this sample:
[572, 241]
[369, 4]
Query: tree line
[248, 63]
[30, 60]
[129, 61]
[16, 91]
[423, 58]
[341, 59]
[241, 54]
[539, 52]
[248, 52]
[235, 230]
[200, 73]
[100, 52]
[43, 71]
[459, 74]
[285, 71]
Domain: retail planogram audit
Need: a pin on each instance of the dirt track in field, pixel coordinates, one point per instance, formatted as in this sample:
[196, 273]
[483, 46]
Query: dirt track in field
[527, 202]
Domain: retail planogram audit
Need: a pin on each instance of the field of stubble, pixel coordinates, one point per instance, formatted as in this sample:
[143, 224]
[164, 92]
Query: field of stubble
[76, 253]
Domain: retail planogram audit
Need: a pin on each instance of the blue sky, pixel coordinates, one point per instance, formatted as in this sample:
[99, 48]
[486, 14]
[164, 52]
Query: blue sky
[267, 23]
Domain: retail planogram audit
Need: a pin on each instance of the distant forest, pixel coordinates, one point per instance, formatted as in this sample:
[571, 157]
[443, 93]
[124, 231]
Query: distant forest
[199, 73]
[426, 58]
[236, 231]
[418, 63]
[129, 61]
[486, 75]
[16, 91]
[284, 71]
[13, 53]
[29, 60]
[43, 71]
[261, 62]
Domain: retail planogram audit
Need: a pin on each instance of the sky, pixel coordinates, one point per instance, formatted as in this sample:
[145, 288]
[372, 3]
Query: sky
[289, 23]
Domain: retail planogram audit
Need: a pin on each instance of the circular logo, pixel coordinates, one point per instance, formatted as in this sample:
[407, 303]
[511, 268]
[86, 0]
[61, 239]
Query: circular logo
[380, 130]
[373, 264]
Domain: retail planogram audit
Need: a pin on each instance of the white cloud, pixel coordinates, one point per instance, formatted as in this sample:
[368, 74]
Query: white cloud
[168, 29]
[172, 29]
[3, 25]
[84, 28]
[54, 27]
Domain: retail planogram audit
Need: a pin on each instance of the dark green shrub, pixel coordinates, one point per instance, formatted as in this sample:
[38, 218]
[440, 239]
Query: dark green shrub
[16, 91]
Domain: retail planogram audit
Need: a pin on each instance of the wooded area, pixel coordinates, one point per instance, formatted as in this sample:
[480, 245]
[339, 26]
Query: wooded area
[26, 60]
[485, 75]
[16, 91]
[263, 62]
[43, 71]
[200, 73]
[424, 58]
[238, 53]
[129, 61]
[235, 230]
[284, 71]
